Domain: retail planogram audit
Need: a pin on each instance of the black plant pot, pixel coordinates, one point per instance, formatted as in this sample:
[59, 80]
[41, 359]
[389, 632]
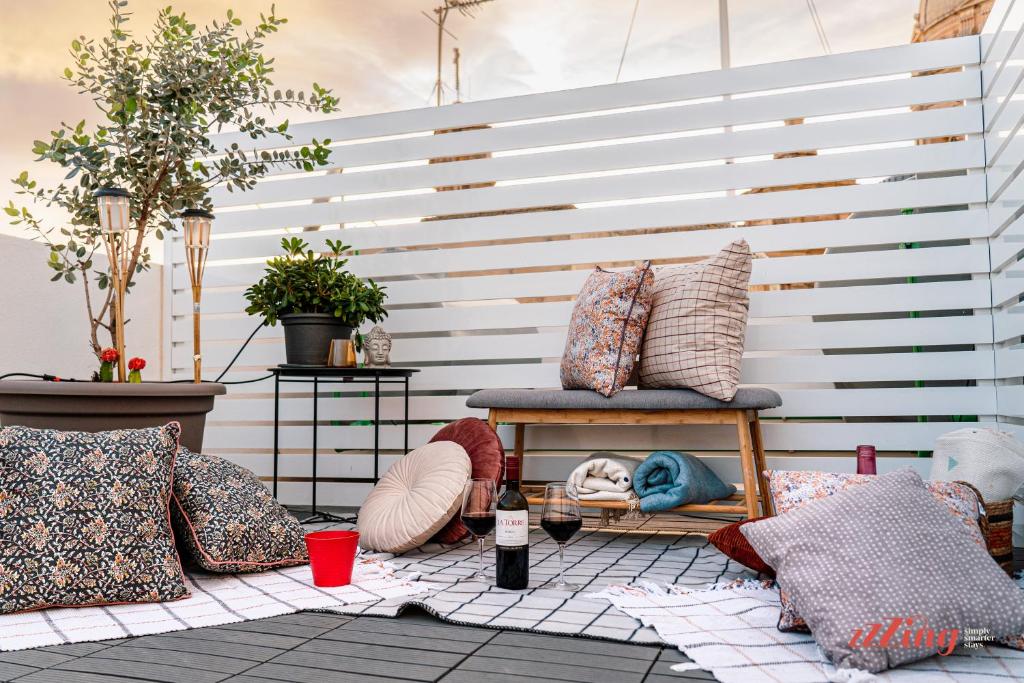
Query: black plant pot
[307, 337]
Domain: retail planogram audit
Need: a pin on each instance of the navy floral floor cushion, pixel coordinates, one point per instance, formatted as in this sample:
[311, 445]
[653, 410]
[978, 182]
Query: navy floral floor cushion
[84, 518]
[226, 520]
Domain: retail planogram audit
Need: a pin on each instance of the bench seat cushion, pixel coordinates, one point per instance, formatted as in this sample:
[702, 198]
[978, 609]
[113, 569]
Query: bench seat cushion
[752, 398]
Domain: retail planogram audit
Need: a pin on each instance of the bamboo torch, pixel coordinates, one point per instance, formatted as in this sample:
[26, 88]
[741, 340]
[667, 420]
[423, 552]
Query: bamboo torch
[114, 207]
[197, 224]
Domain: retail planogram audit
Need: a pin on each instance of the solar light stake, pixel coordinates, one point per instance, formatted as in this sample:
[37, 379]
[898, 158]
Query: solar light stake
[197, 225]
[114, 207]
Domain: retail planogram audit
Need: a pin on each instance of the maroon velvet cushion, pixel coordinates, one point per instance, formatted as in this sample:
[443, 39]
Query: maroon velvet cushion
[485, 453]
[735, 546]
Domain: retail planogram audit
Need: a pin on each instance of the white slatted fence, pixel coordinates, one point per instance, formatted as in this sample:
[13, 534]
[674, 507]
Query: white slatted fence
[1003, 99]
[872, 304]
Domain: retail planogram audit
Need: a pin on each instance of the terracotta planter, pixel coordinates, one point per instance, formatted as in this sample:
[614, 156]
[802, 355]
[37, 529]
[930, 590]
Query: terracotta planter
[98, 406]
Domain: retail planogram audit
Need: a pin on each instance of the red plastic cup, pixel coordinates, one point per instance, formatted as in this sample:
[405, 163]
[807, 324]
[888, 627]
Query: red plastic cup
[331, 556]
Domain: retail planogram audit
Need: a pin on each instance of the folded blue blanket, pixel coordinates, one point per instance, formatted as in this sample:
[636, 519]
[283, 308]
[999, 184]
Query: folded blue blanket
[667, 479]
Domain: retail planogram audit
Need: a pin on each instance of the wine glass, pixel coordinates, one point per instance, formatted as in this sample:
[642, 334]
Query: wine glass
[561, 518]
[478, 500]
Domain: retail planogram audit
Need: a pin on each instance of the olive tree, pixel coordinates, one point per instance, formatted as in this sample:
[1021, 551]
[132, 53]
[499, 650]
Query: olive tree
[160, 99]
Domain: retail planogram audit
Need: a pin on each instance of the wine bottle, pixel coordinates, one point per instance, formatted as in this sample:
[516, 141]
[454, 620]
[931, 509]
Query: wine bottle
[866, 460]
[512, 544]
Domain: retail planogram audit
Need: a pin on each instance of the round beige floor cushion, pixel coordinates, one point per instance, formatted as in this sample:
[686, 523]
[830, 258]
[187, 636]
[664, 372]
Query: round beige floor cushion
[415, 498]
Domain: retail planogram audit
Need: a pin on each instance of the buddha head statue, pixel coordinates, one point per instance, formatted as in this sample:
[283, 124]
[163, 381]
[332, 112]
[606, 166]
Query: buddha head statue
[377, 348]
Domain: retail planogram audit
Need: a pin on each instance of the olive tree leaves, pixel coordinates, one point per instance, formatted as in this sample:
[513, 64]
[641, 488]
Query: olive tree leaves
[161, 98]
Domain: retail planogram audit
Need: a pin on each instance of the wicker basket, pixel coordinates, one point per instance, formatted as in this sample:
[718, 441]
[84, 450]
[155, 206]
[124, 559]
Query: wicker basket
[996, 521]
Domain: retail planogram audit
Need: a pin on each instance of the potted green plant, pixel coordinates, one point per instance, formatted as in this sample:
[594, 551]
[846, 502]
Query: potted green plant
[315, 299]
[159, 102]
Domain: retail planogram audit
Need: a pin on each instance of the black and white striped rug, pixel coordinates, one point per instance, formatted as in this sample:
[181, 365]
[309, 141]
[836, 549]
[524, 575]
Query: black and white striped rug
[435, 578]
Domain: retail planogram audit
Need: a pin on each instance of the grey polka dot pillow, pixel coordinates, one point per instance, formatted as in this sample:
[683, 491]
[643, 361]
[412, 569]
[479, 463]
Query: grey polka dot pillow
[226, 520]
[84, 518]
[886, 552]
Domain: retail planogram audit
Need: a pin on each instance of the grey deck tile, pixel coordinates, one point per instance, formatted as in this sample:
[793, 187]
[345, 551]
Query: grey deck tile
[580, 659]
[575, 644]
[411, 642]
[385, 652]
[76, 649]
[37, 658]
[301, 674]
[280, 628]
[374, 667]
[226, 635]
[662, 672]
[673, 655]
[188, 660]
[327, 619]
[481, 677]
[147, 671]
[10, 671]
[254, 653]
[403, 627]
[58, 676]
[565, 672]
[678, 676]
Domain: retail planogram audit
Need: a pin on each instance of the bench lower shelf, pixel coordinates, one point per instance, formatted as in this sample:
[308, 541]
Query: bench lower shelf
[734, 504]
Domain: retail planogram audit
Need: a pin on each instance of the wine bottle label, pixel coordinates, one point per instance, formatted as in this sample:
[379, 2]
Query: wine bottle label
[512, 527]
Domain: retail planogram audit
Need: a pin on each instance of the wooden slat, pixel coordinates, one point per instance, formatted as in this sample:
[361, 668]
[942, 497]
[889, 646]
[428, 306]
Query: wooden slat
[799, 170]
[818, 268]
[776, 337]
[790, 435]
[793, 236]
[859, 198]
[761, 77]
[635, 154]
[598, 250]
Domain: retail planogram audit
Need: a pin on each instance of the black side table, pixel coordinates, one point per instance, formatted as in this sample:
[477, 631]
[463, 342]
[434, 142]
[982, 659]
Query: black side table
[304, 374]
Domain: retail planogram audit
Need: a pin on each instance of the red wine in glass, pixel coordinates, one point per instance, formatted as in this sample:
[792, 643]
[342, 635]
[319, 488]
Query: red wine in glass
[479, 523]
[561, 528]
[478, 515]
[561, 518]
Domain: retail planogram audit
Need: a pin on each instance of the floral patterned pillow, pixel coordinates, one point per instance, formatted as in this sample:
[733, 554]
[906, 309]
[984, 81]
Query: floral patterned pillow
[606, 329]
[85, 520]
[226, 520]
[793, 490]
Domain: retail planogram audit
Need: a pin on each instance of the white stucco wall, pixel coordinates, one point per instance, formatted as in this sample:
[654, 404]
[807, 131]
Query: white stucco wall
[43, 324]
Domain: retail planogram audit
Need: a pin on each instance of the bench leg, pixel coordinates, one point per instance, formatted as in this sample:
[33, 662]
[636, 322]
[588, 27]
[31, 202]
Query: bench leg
[747, 464]
[520, 448]
[761, 463]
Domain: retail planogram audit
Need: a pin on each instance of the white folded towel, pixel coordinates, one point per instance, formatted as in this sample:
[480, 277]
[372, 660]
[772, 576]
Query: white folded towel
[604, 476]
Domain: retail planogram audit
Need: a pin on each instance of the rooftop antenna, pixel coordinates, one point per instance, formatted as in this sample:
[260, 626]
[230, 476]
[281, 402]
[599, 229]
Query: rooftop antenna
[465, 8]
[458, 83]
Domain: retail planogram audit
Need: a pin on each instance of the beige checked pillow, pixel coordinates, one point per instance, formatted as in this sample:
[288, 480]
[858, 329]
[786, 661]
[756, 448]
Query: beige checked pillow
[695, 332]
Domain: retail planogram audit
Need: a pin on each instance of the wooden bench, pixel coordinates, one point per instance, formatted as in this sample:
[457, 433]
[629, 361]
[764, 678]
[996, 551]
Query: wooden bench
[521, 407]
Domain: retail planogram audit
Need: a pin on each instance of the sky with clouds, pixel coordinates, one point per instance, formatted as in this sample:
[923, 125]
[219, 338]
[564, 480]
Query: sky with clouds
[378, 55]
